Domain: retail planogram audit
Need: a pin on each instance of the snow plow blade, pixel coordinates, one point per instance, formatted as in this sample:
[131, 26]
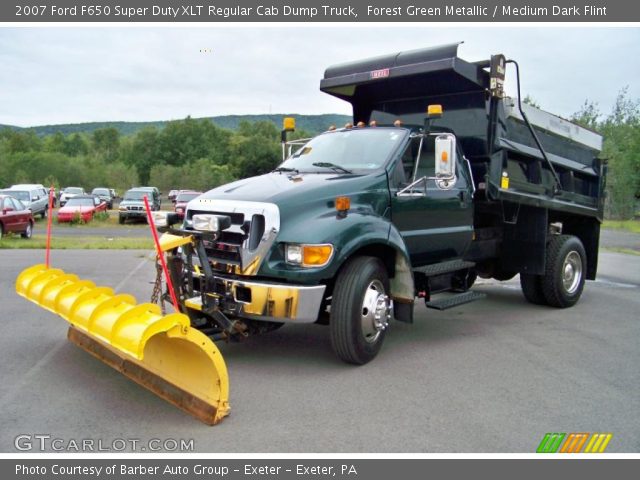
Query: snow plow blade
[160, 352]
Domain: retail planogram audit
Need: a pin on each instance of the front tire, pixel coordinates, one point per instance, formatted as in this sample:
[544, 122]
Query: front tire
[360, 310]
[566, 267]
[43, 215]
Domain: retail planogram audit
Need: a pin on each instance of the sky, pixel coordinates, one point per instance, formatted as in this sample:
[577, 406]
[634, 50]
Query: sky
[84, 74]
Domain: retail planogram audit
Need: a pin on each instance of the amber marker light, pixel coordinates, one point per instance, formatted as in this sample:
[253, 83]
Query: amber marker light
[343, 204]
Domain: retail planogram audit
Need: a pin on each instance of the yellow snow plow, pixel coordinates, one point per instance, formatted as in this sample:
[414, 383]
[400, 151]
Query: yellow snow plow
[163, 353]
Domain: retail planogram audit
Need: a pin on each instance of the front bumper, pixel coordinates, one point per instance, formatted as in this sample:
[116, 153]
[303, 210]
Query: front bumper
[265, 301]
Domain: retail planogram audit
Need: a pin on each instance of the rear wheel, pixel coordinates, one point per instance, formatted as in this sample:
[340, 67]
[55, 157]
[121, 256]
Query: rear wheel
[360, 310]
[532, 288]
[566, 266]
[44, 213]
[1, 231]
[28, 231]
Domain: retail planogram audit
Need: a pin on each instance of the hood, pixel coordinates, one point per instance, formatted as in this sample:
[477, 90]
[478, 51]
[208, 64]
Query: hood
[74, 209]
[289, 189]
[131, 202]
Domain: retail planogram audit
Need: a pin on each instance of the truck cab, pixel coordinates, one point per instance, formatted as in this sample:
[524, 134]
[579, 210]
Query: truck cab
[441, 180]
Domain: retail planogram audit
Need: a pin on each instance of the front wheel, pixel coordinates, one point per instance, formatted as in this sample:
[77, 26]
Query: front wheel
[43, 214]
[360, 310]
[566, 266]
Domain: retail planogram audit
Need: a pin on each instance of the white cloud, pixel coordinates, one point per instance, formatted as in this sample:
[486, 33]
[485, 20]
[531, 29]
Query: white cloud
[65, 75]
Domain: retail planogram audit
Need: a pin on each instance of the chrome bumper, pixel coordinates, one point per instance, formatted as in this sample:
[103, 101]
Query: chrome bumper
[264, 301]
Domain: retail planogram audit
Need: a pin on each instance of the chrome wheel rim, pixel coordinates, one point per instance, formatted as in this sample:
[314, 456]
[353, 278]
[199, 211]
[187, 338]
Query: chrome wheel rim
[572, 272]
[28, 231]
[375, 311]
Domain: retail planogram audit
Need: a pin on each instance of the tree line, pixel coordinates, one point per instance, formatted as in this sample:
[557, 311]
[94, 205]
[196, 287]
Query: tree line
[185, 154]
[198, 154]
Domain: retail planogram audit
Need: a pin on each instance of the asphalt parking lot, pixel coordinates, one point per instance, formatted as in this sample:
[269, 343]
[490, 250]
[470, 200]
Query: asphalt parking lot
[491, 376]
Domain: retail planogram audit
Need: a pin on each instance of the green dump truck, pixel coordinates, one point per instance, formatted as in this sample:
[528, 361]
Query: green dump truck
[441, 179]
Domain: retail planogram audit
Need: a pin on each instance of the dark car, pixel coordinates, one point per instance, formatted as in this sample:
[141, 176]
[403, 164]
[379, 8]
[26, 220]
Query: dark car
[132, 205]
[153, 195]
[182, 199]
[105, 195]
[15, 217]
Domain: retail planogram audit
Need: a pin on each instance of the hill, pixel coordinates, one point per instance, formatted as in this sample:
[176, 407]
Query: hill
[309, 123]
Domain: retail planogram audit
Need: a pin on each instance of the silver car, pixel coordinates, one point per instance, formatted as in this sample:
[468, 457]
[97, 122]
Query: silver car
[34, 198]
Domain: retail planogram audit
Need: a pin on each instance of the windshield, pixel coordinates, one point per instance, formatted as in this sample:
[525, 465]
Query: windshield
[80, 202]
[100, 191]
[185, 197]
[74, 190]
[357, 149]
[137, 195]
[19, 194]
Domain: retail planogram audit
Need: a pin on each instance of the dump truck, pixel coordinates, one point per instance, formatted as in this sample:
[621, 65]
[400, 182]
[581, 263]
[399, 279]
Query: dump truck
[440, 179]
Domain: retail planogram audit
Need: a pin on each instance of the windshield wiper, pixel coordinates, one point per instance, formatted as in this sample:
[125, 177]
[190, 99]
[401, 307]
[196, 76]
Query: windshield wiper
[286, 169]
[332, 166]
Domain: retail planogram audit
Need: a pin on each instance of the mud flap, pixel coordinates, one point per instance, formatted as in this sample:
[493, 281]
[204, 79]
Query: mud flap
[160, 352]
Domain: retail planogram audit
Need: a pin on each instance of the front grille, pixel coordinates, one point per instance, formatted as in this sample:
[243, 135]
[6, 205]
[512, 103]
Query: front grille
[134, 207]
[242, 242]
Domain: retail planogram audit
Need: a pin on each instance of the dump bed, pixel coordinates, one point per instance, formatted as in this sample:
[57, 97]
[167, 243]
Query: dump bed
[492, 131]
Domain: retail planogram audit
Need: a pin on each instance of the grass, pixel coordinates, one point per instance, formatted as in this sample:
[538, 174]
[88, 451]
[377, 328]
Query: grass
[632, 226]
[81, 243]
[102, 219]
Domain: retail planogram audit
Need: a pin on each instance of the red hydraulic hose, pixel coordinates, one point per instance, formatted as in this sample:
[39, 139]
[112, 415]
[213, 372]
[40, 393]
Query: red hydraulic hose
[156, 240]
[49, 217]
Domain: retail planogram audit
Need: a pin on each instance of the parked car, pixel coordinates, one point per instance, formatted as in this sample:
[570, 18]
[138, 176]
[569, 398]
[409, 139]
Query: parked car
[154, 197]
[31, 186]
[132, 205]
[70, 192]
[184, 197]
[104, 194]
[15, 217]
[83, 207]
[33, 198]
[172, 195]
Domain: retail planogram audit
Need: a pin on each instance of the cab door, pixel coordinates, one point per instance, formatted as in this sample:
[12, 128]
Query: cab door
[435, 223]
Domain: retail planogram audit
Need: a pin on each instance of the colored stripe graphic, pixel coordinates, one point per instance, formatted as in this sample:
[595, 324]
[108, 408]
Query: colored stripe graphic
[598, 443]
[574, 442]
[550, 443]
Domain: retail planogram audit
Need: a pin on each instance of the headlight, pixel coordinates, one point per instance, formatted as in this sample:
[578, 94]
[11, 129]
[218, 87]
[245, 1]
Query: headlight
[210, 223]
[308, 255]
[160, 219]
[121, 208]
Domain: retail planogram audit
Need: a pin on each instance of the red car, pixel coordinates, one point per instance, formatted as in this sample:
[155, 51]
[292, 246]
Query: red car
[83, 207]
[182, 199]
[15, 217]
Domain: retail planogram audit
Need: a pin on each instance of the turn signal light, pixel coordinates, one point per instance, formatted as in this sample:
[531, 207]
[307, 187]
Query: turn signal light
[316, 255]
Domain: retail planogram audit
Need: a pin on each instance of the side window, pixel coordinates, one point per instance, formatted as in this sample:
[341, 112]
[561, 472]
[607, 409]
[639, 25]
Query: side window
[406, 166]
[9, 203]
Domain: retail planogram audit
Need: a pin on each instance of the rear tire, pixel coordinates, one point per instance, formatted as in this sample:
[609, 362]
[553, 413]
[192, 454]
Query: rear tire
[1, 232]
[43, 215]
[532, 288]
[566, 267]
[28, 232]
[360, 310]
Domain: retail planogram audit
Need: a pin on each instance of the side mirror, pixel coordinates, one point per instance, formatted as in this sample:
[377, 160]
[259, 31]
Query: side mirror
[445, 160]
